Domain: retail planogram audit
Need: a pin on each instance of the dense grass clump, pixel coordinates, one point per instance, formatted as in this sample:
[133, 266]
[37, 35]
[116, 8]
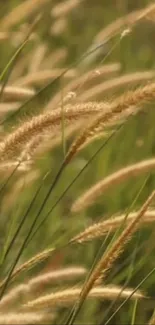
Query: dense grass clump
[77, 146]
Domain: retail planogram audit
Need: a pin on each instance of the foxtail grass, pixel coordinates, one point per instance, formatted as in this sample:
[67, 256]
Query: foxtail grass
[69, 296]
[38, 124]
[107, 260]
[99, 90]
[90, 196]
[119, 105]
[100, 229]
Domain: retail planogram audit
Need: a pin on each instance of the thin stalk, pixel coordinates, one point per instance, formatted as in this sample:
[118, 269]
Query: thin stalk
[128, 298]
[63, 121]
[134, 312]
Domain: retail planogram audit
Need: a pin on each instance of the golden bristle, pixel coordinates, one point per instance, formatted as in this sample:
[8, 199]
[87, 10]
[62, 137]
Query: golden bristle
[38, 124]
[90, 196]
[104, 227]
[108, 259]
[69, 296]
[130, 99]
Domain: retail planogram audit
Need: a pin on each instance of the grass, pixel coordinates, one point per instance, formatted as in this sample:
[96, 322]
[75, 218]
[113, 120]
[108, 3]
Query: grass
[77, 162]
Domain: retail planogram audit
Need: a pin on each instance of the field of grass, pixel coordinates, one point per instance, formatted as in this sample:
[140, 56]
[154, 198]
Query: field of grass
[77, 161]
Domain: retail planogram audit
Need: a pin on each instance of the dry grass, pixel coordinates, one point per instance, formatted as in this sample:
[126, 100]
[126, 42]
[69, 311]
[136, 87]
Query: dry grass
[39, 145]
[77, 100]
[90, 196]
[40, 257]
[107, 260]
[130, 20]
[23, 318]
[39, 124]
[100, 90]
[40, 78]
[84, 81]
[104, 227]
[12, 93]
[119, 105]
[23, 292]
[70, 296]
[21, 12]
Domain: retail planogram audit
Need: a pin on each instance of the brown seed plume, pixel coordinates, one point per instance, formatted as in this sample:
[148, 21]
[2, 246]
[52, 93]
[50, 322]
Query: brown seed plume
[38, 124]
[99, 91]
[29, 264]
[120, 104]
[26, 290]
[69, 296]
[91, 195]
[100, 229]
[108, 259]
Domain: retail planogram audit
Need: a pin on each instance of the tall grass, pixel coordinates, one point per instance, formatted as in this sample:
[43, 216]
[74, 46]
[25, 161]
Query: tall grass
[76, 146]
